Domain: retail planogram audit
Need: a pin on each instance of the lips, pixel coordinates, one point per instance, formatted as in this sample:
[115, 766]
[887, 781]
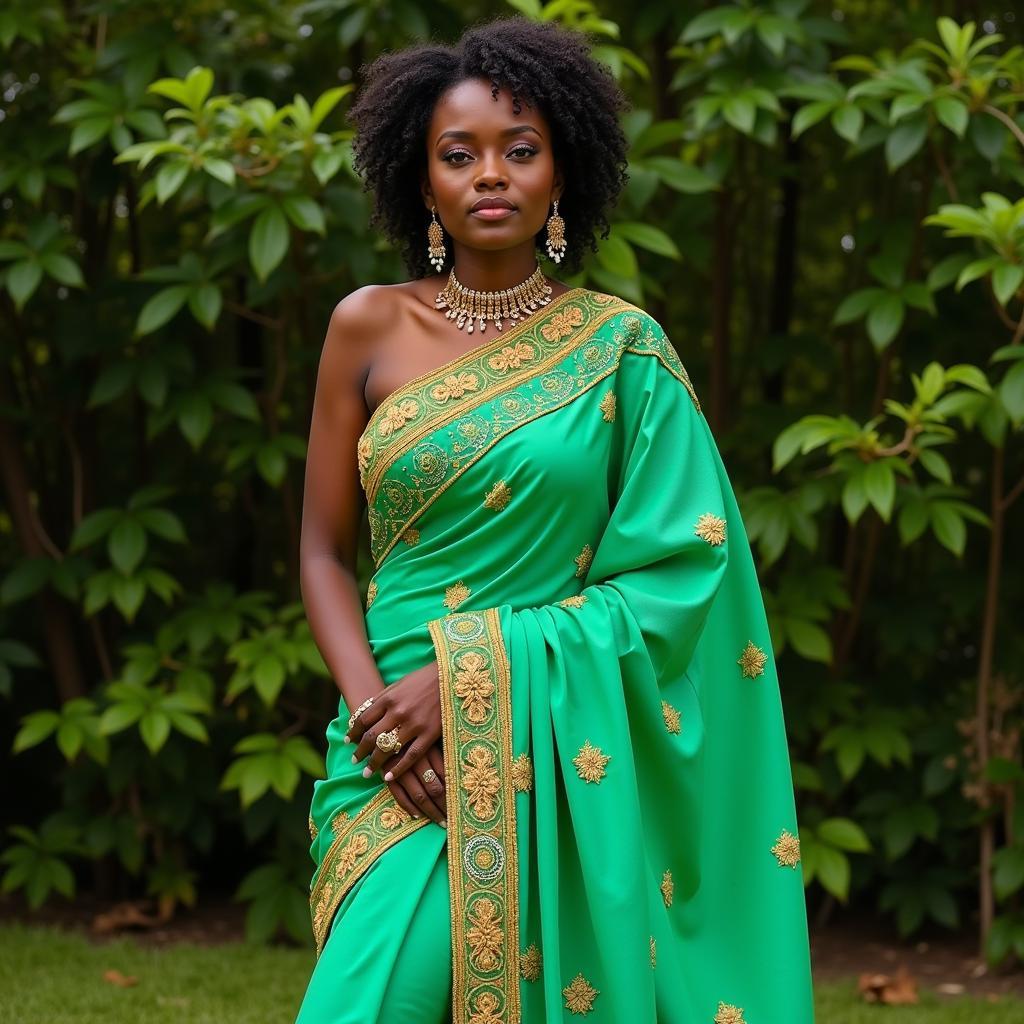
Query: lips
[491, 203]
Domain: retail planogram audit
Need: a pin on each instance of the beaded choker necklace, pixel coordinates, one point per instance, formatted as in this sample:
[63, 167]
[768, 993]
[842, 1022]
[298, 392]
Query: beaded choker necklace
[464, 305]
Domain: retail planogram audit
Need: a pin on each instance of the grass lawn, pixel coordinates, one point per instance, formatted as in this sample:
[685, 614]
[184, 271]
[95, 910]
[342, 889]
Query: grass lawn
[54, 977]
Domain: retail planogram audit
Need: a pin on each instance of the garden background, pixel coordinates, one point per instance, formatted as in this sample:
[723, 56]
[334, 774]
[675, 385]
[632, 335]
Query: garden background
[824, 211]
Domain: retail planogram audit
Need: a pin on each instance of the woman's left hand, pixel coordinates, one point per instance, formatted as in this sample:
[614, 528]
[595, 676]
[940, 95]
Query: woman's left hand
[411, 704]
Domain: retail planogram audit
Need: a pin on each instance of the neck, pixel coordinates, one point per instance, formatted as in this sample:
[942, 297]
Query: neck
[493, 271]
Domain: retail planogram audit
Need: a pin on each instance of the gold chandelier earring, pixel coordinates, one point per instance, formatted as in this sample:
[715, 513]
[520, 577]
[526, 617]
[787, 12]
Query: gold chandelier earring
[436, 251]
[556, 235]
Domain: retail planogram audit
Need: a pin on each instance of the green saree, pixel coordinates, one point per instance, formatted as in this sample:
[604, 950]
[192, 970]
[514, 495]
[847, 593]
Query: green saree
[552, 523]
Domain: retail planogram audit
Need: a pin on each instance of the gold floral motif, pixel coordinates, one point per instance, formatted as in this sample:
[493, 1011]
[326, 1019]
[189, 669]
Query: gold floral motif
[473, 686]
[455, 385]
[787, 849]
[729, 1014]
[607, 406]
[576, 601]
[371, 594]
[562, 324]
[710, 528]
[396, 416]
[363, 452]
[455, 595]
[480, 780]
[512, 356]
[339, 823]
[673, 718]
[498, 496]
[485, 936]
[590, 763]
[579, 995]
[583, 560]
[668, 888]
[313, 832]
[654, 952]
[392, 817]
[752, 660]
[352, 852]
[411, 536]
[485, 1010]
[530, 963]
[522, 773]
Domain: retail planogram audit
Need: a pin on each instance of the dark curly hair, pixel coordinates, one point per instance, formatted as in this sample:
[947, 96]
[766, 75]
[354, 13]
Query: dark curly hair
[542, 64]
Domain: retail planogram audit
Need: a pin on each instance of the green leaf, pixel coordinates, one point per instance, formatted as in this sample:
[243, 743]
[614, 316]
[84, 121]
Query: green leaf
[885, 320]
[170, 178]
[616, 256]
[952, 113]
[126, 545]
[949, 527]
[1011, 391]
[161, 307]
[1006, 279]
[88, 132]
[22, 280]
[34, 729]
[62, 269]
[222, 170]
[154, 727]
[904, 141]
[205, 304]
[848, 120]
[305, 213]
[935, 463]
[880, 487]
[834, 871]
[845, 834]
[681, 176]
[809, 640]
[268, 241]
[740, 112]
[648, 237]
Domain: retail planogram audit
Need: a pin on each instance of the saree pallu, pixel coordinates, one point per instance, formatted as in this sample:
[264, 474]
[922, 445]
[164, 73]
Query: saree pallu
[552, 523]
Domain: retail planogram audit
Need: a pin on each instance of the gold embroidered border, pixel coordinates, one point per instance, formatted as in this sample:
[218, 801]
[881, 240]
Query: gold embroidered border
[380, 452]
[376, 828]
[483, 870]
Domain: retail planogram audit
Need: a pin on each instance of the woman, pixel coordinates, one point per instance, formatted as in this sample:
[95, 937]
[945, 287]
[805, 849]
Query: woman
[558, 782]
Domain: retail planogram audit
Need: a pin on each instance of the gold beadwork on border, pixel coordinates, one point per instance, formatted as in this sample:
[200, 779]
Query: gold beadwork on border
[498, 496]
[339, 823]
[752, 660]
[371, 594]
[531, 963]
[377, 827]
[576, 601]
[729, 1014]
[483, 871]
[579, 995]
[411, 536]
[455, 595]
[522, 774]
[583, 560]
[654, 952]
[590, 762]
[710, 528]
[313, 832]
[668, 888]
[673, 718]
[787, 849]
[607, 406]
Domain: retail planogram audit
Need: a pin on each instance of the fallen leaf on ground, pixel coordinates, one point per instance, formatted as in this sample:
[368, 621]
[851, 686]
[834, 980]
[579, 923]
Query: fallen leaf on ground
[121, 980]
[892, 990]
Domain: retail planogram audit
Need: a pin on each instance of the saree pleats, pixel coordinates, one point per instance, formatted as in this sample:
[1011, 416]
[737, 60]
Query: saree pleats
[553, 525]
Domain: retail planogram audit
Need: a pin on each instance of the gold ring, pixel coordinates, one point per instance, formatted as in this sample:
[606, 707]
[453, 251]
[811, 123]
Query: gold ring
[388, 742]
[358, 711]
[429, 775]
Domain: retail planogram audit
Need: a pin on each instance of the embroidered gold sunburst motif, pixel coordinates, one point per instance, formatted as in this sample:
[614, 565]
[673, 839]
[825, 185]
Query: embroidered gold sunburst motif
[356, 847]
[371, 594]
[485, 1010]
[579, 995]
[455, 385]
[392, 817]
[576, 601]
[411, 536]
[562, 323]
[339, 823]
[672, 716]
[787, 849]
[485, 935]
[590, 763]
[480, 780]
[473, 686]
[583, 560]
[498, 496]
[530, 963]
[668, 888]
[512, 357]
[607, 406]
[396, 416]
[313, 832]
[455, 595]
[363, 452]
[710, 528]
[654, 952]
[752, 660]
[729, 1014]
[522, 774]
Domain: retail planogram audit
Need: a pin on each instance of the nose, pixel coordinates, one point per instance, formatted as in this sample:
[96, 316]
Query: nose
[490, 174]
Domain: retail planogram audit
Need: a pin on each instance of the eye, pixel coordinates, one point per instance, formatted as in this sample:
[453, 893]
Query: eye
[449, 157]
[523, 150]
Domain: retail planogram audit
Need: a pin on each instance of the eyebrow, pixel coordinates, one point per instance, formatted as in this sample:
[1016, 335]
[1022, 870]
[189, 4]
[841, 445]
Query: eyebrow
[515, 130]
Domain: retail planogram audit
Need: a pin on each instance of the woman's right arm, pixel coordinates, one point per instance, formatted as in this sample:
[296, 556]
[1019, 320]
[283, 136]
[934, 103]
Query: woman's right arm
[333, 502]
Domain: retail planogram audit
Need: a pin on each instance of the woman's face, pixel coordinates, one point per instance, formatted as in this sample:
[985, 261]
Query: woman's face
[491, 172]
